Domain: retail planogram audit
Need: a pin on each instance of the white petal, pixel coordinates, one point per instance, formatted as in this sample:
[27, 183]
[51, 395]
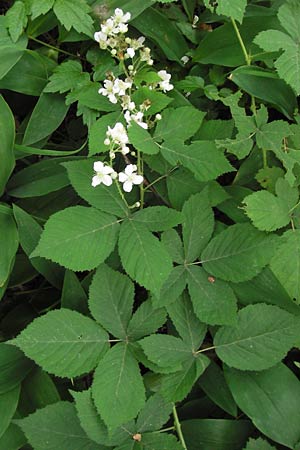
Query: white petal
[96, 181]
[107, 180]
[98, 166]
[129, 169]
[107, 170]
[137, 179]
[127, 186]
[122, 177]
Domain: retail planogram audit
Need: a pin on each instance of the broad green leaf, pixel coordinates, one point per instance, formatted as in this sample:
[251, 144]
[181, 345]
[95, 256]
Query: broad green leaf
[63, 342]
[176, 386]
[287, 64]
[20, 150]
[234, 9]
[92, 423]
[29, 234]
[10, 52]
[213, 300]
[8, 405]
[105, 198]
[197, 226]
[181, 123]
[256, 394]
[154, 414]
[189, 327]
[141, 139]
[166, 350]
[16, 20]
[14, 367]
[158, 218]
[146, 320]
[173, 244]
[158, 28]
[152, 441]
[202, 158]
[267, 211]
[78, 238]
[74, 13]
[9, 242]
[258, 444]
[7, 137]
[286, 263]
[46, 117]
[157, 100]
[217, 434]
[13, 438]
[38, 8]
[215, 387]
[238, 253]
[261, 338]
[172, 287]
[87, 95]
[118, 389]
[38, 179]
[73, 295]
[66, 77]
[98, 131]
[143, 256]
[271, 135]
[56, 426]
[111, 299]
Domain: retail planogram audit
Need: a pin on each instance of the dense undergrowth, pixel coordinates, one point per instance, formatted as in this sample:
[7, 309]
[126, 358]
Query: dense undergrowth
[149, 225]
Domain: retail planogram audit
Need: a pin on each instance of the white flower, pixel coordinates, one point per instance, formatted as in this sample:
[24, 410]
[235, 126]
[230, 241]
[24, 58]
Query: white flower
[130, 52]
[136, 117]
[127, 103]
[129, 177]
[120, 17]
[185, 59]
[145, 55]
[108, 26]
[119, 136]
[99, 36]
[104, 174]
[109, 90]
[121, 86]
[165, 84]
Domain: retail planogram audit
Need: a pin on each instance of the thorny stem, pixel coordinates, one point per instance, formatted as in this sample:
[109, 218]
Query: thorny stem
[178, 428]
[54, 48]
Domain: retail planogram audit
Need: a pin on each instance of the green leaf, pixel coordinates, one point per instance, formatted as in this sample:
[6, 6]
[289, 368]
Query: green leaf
[181, 123]
[8, 405]
[74, 13]
[63, 342]
[141, 139]
[157, 100]
[146, 320]
[213, 300]
[16, 20]
[158, 218]
[7, 137]
[238, 253]
[66, 76]
[87, 95]
[267, 211]
[234, 9]
[261, 338]
[143, 256]
[198, 225]
[118, 389]
[154, 414]
[286, 263]
[38, 179]
[172, 287]
[9, 243]
[271, 135]
[202, 158]
[215, 387]
[153, 441]
[46, 117]
[191, 330]
[38, 8]
[173, 244]
[56, 426]
[10, 52]
[14, 367]
[105, 198]
[111, 298]
[287, 64]
[166, 350]
[217, 434]
[98, 131]
[13, 438]
[92, 423]
[258, 444]
[176, 386]
[73, 295]
[159, 28]
[256, 394]
[29, 234]
[78, 238]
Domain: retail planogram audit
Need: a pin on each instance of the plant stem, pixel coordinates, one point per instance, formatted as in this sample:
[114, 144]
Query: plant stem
[247, 57]
[54, 48]
[178, 428]
[265, 161]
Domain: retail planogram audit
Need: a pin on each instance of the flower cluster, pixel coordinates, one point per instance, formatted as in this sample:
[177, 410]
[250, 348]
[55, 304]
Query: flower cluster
[133, 56]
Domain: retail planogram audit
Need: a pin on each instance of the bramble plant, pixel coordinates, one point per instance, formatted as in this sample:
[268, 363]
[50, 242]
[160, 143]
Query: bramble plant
[149, 225]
